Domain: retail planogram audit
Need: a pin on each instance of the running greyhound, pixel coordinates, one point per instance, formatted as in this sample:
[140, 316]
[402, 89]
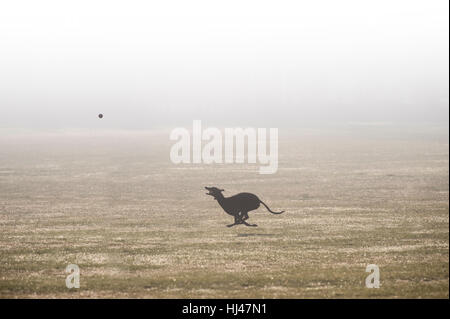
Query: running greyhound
[238, 205]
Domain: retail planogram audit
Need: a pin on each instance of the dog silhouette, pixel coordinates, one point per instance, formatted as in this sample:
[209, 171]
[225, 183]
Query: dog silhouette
[238, 205]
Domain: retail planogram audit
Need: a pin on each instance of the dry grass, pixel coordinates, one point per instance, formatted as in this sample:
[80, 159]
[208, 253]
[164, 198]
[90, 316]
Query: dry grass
[139, 226]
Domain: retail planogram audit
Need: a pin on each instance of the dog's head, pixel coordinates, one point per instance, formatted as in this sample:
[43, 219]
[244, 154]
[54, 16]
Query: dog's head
[214, 192]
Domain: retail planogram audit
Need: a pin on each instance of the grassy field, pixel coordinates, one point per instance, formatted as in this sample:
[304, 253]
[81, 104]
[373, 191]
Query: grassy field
[139, 226]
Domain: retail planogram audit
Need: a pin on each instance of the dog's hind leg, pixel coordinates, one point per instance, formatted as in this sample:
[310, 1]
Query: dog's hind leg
[247, 224]
[237, 221]
[244, 217]
[241, 219]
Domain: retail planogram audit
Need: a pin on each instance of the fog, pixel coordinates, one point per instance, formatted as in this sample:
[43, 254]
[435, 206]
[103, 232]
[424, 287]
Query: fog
[262, 63]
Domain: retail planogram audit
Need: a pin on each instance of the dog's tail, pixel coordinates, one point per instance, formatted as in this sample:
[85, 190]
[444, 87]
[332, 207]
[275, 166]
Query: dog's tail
[270, 209]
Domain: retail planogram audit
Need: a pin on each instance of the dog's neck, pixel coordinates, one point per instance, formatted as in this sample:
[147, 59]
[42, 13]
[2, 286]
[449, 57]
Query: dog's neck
[219, 197]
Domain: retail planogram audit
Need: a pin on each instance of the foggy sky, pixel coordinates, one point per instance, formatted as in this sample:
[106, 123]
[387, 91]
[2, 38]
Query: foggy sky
[146, 64]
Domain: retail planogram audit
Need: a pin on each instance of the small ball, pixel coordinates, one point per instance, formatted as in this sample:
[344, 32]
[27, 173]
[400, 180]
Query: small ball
[100, 116]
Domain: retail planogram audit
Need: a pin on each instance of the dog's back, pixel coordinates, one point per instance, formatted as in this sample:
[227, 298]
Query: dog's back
[244, 201]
